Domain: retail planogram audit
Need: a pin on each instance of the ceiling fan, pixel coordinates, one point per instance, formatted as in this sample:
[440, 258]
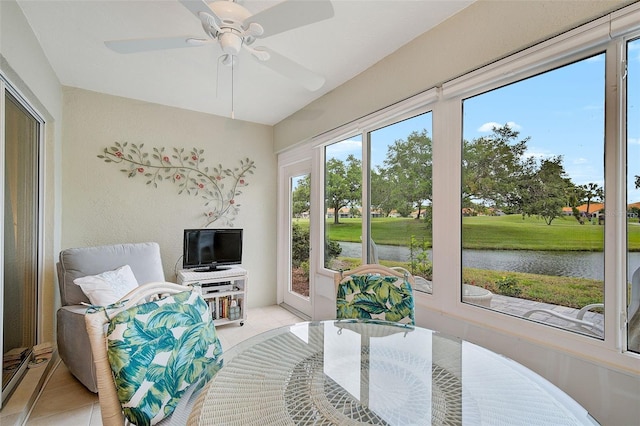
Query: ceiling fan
[235, 29]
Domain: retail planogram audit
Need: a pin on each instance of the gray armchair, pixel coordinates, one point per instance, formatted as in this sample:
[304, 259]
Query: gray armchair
[73, 341]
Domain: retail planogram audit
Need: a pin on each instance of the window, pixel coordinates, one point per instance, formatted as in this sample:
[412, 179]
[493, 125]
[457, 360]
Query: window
[401, 197]
[300, 199]
[512, 192]
[633, 195]
[396, 200]
[343, 204]
[533, 198]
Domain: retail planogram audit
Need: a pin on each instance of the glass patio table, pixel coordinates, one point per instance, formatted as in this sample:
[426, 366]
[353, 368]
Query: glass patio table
[350, 372]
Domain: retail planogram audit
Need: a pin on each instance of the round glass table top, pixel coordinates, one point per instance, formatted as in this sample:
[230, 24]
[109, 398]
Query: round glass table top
[352, 372]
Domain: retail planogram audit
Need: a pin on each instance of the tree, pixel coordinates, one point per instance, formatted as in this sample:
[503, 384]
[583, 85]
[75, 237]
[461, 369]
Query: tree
[404, 209]
[409, 166]
[343, 184]
[521, 195]
[383, 194]
[301, 196]
[575, 197]
[491, 167]
[592, 192]
[549, 191]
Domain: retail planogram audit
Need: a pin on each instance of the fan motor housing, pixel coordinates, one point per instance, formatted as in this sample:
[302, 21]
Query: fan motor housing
[230, 13]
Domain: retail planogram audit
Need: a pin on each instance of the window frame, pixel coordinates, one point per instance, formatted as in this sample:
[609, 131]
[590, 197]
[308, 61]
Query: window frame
[622, 61]
[581, 43]
[533, 72]
[414, 106]
[608, 34]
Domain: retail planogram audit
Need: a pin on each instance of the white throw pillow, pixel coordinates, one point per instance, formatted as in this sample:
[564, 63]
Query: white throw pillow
[108, 287]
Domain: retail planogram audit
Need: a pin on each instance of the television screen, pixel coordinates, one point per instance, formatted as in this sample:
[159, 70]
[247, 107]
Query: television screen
[208, 249]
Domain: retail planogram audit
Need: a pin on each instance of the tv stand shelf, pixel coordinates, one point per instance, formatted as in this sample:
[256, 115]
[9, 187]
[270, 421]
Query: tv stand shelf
[225, 291]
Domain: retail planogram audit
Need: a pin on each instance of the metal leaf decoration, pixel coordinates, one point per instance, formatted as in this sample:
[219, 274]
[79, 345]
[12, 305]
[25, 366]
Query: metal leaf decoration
[187, 171]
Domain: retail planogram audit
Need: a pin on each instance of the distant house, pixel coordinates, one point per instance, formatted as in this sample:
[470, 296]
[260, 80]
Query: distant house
[495, 212]
[343, 213]
[594, 210]
[633, 213]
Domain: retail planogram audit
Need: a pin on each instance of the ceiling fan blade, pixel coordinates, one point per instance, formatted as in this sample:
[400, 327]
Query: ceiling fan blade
[296, 72]
[150, 44]
[291, 14]
[196, 6]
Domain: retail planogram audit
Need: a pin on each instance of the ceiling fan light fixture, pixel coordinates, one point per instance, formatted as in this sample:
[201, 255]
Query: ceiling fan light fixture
[233, 28]
[230, 42]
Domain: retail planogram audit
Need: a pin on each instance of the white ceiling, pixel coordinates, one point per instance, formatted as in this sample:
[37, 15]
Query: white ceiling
[72, 35]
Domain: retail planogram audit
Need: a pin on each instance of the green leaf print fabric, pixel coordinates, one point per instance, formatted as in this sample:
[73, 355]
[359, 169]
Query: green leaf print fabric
[157, 349]
[372, 296]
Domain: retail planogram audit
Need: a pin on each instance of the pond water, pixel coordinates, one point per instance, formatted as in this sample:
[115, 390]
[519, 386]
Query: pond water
[555, 263]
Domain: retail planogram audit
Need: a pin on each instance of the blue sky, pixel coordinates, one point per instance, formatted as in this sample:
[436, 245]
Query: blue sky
[562, 111]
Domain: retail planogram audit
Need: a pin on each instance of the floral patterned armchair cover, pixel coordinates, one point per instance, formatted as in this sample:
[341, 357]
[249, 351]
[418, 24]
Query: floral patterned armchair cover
[375, 292]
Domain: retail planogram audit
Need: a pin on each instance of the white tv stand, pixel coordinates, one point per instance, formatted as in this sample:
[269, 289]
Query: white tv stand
[225, 290]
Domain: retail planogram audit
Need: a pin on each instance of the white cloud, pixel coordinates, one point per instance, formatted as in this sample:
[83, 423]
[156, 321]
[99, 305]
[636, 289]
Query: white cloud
[531, 152]
[348, 145]
[580, 160]
[343, 149]
[633, 141]
[488, 127]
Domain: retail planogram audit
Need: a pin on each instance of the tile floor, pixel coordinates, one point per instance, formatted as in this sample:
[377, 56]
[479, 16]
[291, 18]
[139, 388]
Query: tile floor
[64, 401]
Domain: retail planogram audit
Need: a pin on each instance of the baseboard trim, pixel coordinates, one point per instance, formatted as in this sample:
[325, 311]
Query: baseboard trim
[295, 312]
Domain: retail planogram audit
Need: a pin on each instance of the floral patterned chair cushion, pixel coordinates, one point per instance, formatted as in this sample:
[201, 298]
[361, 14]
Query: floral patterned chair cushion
[157, 350]
[374, 296]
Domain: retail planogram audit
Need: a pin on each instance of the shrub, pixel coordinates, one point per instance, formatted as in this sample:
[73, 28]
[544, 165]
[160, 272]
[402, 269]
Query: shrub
[332, 250]
[300, 248]
[305, 267]
[419, 262]
[299, 245]
[508, 286]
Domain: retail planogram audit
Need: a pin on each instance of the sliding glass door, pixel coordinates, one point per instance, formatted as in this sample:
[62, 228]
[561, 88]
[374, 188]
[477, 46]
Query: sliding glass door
[21, 133]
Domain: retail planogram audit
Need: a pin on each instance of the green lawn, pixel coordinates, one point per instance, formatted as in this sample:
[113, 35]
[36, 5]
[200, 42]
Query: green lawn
[488, 232]
[388, 231]
[510, 232]
[502, 233]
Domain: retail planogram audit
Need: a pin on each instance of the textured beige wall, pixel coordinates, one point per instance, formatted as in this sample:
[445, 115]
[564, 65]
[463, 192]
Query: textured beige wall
[101, 205]
[23, 63]
[480, 34]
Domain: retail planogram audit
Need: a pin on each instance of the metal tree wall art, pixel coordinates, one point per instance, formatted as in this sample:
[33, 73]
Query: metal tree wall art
[187, 171]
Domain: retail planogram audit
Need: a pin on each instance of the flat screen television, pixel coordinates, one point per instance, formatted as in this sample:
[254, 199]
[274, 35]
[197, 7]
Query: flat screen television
[211, 249]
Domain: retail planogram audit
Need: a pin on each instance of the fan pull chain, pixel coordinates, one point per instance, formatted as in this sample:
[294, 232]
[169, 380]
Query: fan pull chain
[232, 72]
[218, 74]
